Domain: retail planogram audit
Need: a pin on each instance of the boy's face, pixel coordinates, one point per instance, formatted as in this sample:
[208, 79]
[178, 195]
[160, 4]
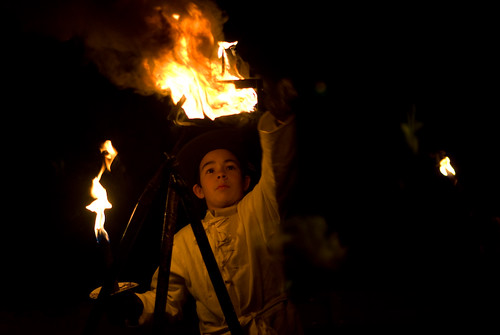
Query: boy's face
[221, 181]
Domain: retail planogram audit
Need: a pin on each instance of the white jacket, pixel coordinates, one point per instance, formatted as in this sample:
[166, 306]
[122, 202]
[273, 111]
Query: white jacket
[239, 236]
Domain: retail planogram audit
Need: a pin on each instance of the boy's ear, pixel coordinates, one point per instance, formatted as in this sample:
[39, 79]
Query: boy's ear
[198, 191]
[246, 183]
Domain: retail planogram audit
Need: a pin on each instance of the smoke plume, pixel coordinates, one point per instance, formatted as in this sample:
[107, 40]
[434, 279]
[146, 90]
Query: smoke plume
[120, 35]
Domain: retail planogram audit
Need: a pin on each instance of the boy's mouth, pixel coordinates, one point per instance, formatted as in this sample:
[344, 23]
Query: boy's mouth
[222, 187]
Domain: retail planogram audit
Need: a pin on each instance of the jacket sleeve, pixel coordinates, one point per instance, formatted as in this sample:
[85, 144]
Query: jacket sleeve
[266, 201]
[176, 291]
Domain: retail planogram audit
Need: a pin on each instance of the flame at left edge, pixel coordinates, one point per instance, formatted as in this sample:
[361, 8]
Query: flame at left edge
[98, 192]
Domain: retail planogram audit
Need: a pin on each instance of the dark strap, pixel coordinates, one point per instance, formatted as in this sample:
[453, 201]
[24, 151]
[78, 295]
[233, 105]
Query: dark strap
[208, 257]
[216, 278]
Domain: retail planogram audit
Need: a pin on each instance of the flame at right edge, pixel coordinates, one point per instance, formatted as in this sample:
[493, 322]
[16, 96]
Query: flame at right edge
[445, 167]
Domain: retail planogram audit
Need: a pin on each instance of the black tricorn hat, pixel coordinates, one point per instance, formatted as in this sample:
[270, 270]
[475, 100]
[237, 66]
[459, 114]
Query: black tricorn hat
[191, 154]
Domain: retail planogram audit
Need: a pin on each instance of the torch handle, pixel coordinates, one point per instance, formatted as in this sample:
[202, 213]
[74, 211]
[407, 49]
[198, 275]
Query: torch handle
[108, 287]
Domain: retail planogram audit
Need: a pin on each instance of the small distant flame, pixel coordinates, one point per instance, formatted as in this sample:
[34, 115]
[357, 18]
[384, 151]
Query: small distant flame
[196, 72]
[98, 192]
[445, 167]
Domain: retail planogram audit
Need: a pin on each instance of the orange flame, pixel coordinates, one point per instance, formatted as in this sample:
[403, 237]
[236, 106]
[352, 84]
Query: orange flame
[98, 192]
[197, 70]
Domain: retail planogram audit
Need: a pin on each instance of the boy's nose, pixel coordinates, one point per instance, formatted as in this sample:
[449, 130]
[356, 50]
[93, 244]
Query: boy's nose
[221, 175]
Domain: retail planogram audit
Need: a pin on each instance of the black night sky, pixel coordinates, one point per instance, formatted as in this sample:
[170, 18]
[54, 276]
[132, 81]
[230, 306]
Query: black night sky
[420, 250]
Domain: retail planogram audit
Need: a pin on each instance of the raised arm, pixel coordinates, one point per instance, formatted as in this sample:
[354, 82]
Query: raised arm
[277, 140]
[264, 203]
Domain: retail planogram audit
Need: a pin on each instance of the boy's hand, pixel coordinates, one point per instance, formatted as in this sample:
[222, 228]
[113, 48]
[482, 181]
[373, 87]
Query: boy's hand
[124, 308]
[280, 97]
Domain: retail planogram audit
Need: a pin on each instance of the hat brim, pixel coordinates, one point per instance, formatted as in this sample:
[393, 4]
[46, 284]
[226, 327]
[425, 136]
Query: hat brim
[191, 154]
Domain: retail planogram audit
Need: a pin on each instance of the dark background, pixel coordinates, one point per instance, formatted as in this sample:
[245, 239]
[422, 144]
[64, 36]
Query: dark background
[420, 249]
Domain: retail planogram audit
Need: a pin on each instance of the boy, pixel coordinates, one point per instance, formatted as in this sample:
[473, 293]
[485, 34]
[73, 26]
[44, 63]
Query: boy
[239, 228]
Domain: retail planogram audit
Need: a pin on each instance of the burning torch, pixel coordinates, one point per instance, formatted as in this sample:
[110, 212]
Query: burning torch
[98, 206]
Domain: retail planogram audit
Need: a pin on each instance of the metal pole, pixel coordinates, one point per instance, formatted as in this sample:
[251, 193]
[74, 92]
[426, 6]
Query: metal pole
[167, 240]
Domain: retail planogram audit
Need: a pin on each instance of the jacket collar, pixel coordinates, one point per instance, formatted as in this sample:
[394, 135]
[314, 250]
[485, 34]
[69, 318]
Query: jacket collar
[228, 211]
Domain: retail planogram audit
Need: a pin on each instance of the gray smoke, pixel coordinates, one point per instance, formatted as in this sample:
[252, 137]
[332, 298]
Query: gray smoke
[120, 35]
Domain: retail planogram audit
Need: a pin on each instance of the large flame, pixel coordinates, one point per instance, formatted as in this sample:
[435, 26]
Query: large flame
[98, 192]
[196, 72]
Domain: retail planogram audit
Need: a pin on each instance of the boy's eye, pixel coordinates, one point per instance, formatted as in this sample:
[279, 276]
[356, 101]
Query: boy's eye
[231, 167]
[209, 171]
